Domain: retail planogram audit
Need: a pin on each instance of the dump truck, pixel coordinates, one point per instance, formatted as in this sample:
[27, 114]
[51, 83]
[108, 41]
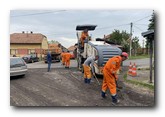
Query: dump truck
[92, 48]
[54, 53]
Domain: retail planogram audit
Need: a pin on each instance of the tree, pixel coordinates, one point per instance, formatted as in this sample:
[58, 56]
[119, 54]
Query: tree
[120, 38]
[150, 27]
[152, 22]
[52, 41]
[135, 44]
[116, 37]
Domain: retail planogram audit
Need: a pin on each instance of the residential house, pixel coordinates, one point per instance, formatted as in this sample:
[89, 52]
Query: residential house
[27, 43]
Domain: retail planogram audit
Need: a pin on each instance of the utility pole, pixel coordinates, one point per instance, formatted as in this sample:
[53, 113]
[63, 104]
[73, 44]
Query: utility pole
[130, 39]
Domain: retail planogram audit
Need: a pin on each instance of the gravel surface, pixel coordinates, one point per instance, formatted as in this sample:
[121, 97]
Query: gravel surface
[65, 87]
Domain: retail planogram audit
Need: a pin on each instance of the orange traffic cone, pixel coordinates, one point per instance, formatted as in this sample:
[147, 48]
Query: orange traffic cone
[130, 69]
[134, 73]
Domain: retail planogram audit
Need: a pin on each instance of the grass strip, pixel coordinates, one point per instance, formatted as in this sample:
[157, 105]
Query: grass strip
[138, 83]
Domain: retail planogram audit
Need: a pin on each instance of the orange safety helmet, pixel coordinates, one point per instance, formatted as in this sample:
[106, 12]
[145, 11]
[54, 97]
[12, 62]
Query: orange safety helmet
[124, 54]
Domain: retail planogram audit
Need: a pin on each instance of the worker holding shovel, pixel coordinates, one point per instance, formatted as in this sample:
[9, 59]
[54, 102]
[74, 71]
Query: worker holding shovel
[110, 76]
[87, 69]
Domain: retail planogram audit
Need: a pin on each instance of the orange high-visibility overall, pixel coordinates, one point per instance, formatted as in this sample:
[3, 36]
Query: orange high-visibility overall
[109, 72]
[87, 71]
[62, 56]
[67, 59]
[84, 35]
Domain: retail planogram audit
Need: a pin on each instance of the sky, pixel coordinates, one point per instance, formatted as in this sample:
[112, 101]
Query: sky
[17, 24]
[60, 25]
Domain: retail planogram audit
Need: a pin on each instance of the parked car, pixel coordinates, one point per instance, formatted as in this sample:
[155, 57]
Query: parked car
[17, 66]
[31, 58]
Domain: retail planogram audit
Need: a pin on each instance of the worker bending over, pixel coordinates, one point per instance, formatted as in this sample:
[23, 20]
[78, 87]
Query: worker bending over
[67, 57]
[84, 35]
[110, 76]
[87, 69]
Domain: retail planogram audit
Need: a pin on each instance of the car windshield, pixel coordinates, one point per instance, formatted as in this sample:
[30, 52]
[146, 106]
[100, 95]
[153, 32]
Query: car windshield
[16, 62]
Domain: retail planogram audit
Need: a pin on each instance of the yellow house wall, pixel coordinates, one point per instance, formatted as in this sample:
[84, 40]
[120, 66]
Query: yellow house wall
[44, 44]
[25, 46]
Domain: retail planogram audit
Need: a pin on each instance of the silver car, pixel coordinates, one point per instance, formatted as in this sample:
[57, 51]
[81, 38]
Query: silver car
[17, 66]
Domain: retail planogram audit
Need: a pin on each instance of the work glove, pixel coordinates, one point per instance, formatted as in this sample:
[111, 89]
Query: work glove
[116, 77]
[93, 74]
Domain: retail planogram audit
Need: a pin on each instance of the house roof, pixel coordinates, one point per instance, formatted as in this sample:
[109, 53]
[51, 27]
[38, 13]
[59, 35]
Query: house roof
[22, 38]
[71, 48]
[107, 36]
[148, 33]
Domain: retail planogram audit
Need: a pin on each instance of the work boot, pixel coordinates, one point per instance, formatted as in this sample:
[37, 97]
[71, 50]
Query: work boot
[115, 101]
[88, 81]
[85, 80]
[103, 94]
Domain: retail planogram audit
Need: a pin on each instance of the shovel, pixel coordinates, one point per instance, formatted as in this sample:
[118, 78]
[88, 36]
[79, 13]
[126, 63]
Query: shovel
[96, 79]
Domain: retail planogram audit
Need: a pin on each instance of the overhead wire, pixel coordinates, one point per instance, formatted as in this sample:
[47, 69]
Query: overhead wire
[141, 24]
[113, 26]
[138, 28]
[96, 28]
[41, 13]
[141, 19]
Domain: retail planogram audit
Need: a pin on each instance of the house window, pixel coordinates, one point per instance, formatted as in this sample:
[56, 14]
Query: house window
[31, 51]
[13, 51]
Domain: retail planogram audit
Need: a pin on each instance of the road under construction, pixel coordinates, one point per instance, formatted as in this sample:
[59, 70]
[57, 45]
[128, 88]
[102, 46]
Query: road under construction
[65, 87]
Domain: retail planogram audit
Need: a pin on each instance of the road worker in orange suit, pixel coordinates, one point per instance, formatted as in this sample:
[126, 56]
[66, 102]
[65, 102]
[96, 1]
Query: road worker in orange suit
[63, 58]
[67, 57]
[84, 35]
[110, 76]
[87, 69]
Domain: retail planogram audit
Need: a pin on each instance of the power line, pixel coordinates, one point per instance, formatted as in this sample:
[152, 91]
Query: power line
[41, 13]
[113, 26]
[141, 24]
[142, 18]
[59, 34]
[138, 28]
